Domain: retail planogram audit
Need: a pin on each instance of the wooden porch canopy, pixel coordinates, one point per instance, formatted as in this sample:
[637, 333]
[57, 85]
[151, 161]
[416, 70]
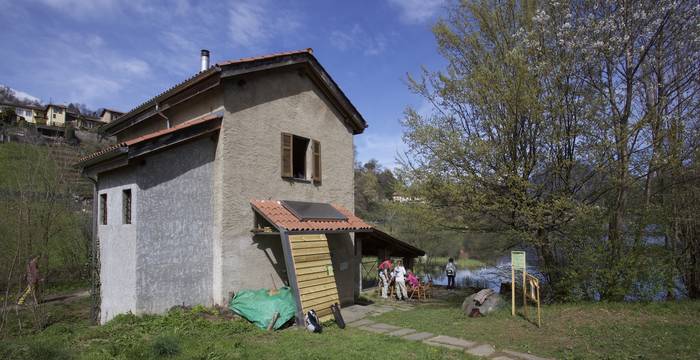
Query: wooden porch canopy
[381, 244]
[302, 227]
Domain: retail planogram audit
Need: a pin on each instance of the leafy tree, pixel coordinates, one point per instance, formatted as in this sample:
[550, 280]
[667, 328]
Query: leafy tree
[551, 123]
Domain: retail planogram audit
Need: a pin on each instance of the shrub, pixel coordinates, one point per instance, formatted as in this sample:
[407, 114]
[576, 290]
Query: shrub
[41, 350]
[165, 345]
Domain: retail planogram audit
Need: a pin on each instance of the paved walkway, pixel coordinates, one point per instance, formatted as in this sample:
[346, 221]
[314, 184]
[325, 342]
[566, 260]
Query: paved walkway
[356, 316]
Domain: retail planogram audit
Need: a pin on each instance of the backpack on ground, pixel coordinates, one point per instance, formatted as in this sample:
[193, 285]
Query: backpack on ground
[312, 322]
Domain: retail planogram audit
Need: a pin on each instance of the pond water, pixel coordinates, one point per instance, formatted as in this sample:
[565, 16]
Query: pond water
[491, 277]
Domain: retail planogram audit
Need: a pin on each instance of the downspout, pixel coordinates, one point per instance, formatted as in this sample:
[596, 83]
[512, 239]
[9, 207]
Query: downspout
[94, 263]
[167, 121]
[291, 273]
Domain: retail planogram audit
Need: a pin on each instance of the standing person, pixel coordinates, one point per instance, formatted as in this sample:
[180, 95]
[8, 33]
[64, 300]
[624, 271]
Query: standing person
[33, 279]
[384, 269]
[400, 280]
[450, 271]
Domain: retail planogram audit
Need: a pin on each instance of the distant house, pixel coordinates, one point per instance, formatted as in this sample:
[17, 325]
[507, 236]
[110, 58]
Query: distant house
[56, 115]
[240, 177]
[109, 115]
[29, 113]
[88, 122]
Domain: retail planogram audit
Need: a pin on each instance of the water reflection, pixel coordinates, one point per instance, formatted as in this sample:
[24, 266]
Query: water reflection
[489, 277]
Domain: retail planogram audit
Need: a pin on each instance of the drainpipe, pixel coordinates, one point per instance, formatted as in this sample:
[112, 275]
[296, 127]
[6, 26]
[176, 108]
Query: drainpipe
[167, 121]
[94, 252]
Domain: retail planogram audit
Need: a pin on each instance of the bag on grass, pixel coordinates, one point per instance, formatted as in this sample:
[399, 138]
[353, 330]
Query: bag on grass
[312, 322]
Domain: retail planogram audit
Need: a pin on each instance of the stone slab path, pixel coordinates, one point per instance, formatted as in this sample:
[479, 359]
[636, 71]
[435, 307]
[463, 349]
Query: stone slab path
[356, 316]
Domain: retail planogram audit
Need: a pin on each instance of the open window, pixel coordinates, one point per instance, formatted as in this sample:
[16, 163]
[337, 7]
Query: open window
[298, 160]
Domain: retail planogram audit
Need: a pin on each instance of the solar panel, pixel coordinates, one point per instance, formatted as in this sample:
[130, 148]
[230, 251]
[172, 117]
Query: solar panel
[313, 211]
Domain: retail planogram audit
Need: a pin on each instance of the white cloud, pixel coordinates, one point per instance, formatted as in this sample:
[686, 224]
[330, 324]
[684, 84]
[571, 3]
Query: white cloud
[417, 11]
[103, 9]
[358, 39]
[382, 147]
[25, 96]
[131, 66]
[82, 8]
[253, 23]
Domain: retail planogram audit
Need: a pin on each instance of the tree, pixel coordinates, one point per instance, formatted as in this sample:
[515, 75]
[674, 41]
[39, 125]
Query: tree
[552, 117]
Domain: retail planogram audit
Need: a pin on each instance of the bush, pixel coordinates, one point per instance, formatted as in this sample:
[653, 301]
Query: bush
[165, 345]
[41, 350]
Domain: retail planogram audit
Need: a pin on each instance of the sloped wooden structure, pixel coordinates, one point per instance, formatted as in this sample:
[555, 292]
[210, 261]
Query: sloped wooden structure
[314, 271]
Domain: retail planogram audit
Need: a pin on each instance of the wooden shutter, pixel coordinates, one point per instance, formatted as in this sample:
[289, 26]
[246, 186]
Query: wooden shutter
[316, 173]
[286, 155]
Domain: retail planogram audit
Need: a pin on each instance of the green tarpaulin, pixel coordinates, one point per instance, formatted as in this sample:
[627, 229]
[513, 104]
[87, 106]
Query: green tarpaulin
[259, 307]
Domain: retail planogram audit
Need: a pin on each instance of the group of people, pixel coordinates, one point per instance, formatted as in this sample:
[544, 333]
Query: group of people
[398, 274]
[389, 273]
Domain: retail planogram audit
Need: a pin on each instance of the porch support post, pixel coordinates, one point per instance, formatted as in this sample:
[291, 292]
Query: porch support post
[358, 265]
[292, 275]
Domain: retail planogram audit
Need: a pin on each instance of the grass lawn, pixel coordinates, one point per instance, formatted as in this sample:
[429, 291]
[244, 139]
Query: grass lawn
[195, 334]
[572, 331]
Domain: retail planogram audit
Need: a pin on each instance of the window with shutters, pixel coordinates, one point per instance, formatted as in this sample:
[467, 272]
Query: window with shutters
[299, 162]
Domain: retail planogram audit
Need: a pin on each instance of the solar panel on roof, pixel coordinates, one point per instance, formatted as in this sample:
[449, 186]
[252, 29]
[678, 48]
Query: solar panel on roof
[313, 211]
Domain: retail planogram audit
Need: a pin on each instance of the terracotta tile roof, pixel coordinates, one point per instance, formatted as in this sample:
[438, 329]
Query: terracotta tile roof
[203, 74]
[273, 211]
[126, 144]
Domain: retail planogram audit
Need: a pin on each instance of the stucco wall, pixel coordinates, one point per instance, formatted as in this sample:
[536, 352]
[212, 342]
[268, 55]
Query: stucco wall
[165, 257]
[174, 248]
[257, 111]
[117, 246]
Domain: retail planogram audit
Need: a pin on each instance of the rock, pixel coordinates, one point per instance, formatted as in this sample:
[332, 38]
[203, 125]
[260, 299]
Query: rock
[491, 303]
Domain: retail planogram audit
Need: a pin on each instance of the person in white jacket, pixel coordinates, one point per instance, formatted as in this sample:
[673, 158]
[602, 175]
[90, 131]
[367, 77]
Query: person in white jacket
[399, 275]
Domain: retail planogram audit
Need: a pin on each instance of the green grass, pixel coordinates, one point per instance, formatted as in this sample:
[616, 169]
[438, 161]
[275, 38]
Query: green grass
[572, 331]
[196, 334]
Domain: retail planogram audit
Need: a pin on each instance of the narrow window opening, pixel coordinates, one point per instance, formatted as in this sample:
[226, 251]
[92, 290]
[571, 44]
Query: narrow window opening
[103, 209]
[299, 148]
[126, 201]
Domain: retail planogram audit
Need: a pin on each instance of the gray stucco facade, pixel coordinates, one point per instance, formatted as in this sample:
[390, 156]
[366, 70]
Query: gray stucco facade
[190, 241]
[164, 256]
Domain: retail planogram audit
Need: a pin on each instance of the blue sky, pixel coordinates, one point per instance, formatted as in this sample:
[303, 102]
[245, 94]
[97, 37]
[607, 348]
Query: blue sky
[116, 54]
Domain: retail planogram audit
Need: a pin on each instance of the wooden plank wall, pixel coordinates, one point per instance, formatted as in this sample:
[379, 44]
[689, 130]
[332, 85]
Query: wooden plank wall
[316, 284]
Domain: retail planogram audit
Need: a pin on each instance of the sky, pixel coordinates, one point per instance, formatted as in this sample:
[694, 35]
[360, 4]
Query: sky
[117, 54]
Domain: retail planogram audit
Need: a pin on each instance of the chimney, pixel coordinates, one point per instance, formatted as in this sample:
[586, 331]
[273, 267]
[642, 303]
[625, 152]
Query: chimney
[205, 60]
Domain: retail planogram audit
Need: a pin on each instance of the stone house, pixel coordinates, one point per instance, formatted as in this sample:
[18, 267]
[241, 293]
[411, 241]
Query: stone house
[109, 115]
[240, 177]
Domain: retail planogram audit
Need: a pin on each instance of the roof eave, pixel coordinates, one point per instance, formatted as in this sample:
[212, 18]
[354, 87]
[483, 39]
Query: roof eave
[116, 126]
[102, 157]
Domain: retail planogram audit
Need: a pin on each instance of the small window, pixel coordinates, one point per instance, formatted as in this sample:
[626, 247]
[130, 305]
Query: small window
[295, 158]
[126, 202]
[103, 209]
[54, 115]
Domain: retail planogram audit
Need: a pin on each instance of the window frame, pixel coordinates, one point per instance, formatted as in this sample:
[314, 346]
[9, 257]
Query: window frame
[103, 209]
[127, 207]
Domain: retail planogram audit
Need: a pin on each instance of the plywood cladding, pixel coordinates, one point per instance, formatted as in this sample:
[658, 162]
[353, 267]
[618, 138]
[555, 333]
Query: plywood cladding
[314, 270]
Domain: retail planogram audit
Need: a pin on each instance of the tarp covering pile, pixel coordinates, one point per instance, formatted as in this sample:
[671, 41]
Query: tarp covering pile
[258, 306]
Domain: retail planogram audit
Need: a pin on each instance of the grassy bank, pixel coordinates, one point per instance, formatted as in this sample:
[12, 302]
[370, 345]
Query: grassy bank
[198, 334]
[573, 331]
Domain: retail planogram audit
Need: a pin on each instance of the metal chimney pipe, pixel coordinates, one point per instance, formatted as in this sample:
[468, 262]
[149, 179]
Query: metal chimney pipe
[205, 60]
